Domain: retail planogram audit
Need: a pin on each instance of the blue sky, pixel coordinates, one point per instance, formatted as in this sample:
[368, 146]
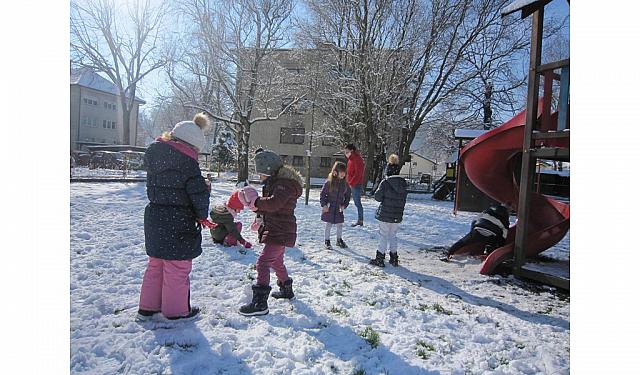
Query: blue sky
[158, 82]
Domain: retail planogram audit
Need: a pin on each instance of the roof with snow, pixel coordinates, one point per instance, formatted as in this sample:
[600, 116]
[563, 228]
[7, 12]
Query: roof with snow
[88, 78]
[527, 7]
[468, 133]
[420, 156]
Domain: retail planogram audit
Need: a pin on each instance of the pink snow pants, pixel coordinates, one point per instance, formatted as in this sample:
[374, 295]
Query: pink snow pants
[165, 287]
[272, 257]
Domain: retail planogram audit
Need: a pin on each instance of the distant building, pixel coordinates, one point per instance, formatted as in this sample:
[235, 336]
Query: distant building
[289, 135]
[96, 113]
[418, 166]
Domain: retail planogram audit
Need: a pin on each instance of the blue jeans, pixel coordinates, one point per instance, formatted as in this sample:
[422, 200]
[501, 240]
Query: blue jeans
[356, 193]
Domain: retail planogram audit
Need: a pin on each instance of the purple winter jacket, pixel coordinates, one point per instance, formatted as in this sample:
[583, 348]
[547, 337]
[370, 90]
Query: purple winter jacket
[335, 199]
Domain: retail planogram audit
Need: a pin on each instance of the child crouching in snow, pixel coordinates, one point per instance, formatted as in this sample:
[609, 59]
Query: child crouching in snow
[489, 228]
[392, 195]
[228, 232]
[334, 198]
[173, 219]
[276, 224]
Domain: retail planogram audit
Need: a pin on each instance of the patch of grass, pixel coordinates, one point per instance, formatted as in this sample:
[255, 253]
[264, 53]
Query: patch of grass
[345, 284]
[423, 349]
[116, 324]
[117, 311]
[546, 311]
[184, 347]
[371, 336]
[338, 311]
[439, 309]
[423, 307]
[359, 372]
[519, 345]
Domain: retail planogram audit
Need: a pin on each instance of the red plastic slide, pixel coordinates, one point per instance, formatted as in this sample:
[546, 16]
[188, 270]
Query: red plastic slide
[491, 161]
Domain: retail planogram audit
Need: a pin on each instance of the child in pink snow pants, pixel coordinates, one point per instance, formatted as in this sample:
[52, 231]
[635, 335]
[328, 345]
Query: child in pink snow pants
[177, 211]
[276, 226]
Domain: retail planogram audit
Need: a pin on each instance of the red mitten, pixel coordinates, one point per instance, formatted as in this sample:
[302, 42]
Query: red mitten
[257, 222]
[206, 223]
[246, 244]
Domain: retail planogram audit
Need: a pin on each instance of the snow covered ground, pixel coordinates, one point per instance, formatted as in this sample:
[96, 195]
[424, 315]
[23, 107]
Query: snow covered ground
[424, 317]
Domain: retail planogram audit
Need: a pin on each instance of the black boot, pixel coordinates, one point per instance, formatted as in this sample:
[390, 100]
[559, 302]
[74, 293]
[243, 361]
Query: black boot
[341, 243]
[379, 261]
[358, 223]
[258, 305]
[286, 290]
[327, 245]
[393, 259]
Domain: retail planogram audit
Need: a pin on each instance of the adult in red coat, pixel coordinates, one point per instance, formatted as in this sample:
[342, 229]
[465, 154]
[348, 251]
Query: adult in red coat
[355, 178]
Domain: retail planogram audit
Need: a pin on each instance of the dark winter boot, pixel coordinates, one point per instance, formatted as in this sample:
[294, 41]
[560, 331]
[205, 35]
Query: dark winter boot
[286, 290]
[327, 245]
[258, 305]
[393, 259]
[192, 315]
[379, 261]
[358, 223]
[341, 243]
[144, 315]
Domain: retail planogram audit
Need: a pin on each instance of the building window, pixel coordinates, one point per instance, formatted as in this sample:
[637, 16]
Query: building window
[104, 124]
[328, 141]
[113, 125]
[325, 162]
[298, 161]
[292, 136]
[90, 101]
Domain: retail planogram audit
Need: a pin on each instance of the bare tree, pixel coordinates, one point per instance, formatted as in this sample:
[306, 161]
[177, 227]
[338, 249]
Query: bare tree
[367, 47]
[122, 47]
[232, 68]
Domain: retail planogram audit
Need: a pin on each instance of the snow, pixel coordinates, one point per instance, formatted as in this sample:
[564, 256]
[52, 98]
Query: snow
[468, 133]
[431, 317]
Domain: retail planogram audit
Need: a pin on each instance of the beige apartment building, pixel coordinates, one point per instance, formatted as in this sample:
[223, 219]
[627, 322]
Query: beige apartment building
[96, 113]
[302, 128]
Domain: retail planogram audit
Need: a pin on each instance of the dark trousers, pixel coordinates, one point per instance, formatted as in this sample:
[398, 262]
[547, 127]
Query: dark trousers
[475, 237]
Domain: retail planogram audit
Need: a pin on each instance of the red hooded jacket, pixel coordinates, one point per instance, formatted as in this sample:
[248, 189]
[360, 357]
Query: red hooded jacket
[355, 169]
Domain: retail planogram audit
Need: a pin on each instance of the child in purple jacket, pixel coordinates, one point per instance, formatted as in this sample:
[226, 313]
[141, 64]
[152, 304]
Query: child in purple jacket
[334, 198]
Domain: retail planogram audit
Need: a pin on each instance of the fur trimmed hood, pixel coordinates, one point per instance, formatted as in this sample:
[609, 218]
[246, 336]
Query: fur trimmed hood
[289, 173]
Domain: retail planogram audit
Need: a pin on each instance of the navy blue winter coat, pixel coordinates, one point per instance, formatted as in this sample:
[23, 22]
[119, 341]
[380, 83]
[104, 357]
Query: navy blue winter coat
[177, 196]
[392, 195]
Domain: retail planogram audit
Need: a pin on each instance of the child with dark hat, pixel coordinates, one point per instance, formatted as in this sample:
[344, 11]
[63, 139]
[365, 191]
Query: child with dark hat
[276, 225]
[392, 195]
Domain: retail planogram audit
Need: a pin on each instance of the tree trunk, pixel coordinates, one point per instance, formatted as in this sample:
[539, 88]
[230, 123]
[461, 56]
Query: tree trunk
[487, 113]
[243, 150]
[371, 153]
[126, 116]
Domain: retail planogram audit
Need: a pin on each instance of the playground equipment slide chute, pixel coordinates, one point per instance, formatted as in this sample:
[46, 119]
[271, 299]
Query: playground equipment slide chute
[492, 162]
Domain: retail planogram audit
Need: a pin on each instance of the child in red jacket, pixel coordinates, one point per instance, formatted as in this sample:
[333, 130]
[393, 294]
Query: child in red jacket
[276, 224]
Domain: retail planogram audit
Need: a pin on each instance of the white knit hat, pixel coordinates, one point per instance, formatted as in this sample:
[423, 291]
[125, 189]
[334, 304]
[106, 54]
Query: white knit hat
[192, 132]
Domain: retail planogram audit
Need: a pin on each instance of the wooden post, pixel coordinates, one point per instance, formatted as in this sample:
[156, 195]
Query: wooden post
[528, 162]
[564, 99]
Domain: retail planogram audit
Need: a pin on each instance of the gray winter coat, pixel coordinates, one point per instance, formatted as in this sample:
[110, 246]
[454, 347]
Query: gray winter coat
[392, 195]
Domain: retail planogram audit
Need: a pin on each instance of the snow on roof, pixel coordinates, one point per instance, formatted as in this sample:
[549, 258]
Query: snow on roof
[88, 78]
[425, 158]
[468, 133]
[520, 4]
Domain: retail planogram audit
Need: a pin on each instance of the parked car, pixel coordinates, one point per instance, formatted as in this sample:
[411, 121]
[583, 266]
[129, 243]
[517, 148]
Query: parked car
[81, 158]
[106, 160]
[134, 159]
